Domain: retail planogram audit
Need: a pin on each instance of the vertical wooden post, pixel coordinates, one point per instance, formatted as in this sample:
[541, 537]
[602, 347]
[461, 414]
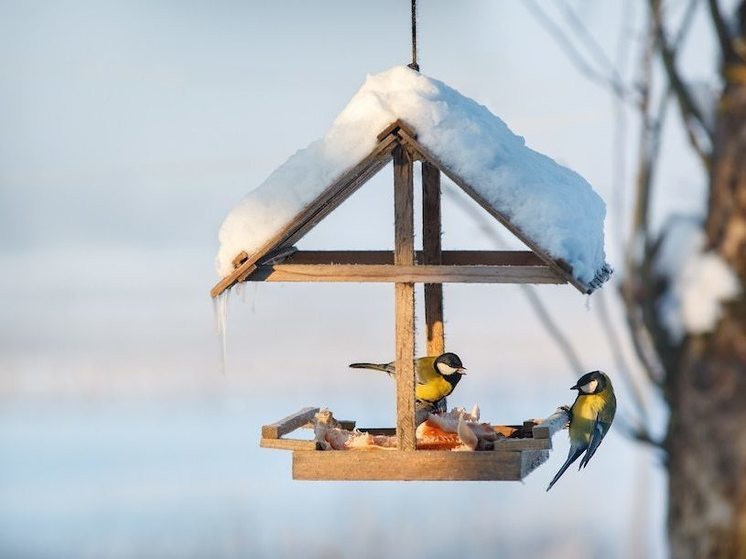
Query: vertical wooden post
[404, 292]
[431, 231]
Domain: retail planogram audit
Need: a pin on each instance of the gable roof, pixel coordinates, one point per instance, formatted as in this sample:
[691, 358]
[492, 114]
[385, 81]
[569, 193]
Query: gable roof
[549, 207]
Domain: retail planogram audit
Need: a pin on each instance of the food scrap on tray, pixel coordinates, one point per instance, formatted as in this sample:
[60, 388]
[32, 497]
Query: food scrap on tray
[457, 429]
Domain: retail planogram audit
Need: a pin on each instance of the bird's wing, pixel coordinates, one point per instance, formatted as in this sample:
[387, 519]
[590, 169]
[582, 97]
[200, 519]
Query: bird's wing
[599, 431]
[575, 452]
[426, 371]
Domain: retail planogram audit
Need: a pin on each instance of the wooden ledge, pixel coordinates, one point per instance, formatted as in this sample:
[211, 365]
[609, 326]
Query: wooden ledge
[413, 465]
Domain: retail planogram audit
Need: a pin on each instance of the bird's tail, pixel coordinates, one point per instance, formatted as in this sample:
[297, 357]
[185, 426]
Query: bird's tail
[571, 457]
[385, 367]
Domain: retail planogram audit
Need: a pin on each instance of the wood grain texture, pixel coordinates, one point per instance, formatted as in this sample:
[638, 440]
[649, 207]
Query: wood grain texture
[404, 299]
[420, 273]
[523, 258]
[532, 459]
[289, 423]
[287, 444]
[519, 445]
[428, 465]
[431, 245]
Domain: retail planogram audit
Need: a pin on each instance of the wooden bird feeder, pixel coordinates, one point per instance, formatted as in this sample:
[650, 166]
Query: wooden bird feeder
[525, 446]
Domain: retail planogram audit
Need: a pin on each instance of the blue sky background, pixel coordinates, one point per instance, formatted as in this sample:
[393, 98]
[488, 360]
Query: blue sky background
[127, 132]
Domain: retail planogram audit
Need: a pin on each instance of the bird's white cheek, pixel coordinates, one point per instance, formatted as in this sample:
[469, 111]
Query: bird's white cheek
[445, 369]
[590, 388]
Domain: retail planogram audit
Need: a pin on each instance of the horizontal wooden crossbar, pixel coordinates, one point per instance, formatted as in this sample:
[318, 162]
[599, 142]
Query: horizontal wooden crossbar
[378, 266]
[450, 257]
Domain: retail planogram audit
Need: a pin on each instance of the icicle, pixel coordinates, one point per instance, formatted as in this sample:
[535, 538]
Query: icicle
[220, 308]
[588, 302]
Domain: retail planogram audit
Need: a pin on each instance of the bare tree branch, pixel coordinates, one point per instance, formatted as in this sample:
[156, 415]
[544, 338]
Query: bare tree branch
[576, 57]
[727, 51]
[591, 45]
[638, 433]
[690, 113]
[634, 288]
[615, 344]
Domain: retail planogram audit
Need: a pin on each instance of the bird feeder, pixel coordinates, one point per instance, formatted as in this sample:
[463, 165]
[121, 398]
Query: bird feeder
[520, 448]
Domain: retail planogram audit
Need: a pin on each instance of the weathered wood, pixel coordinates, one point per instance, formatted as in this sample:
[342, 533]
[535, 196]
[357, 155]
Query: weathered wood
[394, 127]
[507, 430]
[287, 444]
[523, 258]
[404, 299]
[328, 200]
[546, 428]
[429, 465]
[532, 459]
[288, 424]
[431, 245]
[239, 259]
[559, 266]
[519, 445]
[378, 273]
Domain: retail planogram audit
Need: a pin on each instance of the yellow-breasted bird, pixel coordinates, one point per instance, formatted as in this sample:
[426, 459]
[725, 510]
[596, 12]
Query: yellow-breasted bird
[437, 376]
[590, 418]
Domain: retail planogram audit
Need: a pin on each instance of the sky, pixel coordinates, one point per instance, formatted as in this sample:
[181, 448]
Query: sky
[127, 132]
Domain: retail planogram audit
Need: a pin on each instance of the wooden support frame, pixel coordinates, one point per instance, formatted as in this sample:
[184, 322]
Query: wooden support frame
[378, 266]
[404, 298]
[431, 249]
[278, 260]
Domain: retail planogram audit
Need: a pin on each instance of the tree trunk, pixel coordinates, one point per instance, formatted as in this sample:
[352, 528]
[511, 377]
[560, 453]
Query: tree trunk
[706, 439]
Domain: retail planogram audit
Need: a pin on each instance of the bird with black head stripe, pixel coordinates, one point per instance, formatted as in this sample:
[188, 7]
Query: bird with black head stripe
[437, 376]
[590, 418]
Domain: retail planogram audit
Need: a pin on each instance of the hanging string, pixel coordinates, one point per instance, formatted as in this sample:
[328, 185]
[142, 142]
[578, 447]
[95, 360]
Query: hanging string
[414, 64]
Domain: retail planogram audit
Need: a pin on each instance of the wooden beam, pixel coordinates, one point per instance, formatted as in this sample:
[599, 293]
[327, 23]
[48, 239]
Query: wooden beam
[377, 273]
[431, 245]
[288, 424]
[546, 428]
[404, 298]
[519, 445]
[287, 444]
[304, 221]
[532, 459]
[561, 267]
[393, 129]
[429, 465]
[448, 257]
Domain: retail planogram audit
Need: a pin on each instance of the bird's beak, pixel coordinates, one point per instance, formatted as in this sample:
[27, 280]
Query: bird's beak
[461, 370]
[574, 387]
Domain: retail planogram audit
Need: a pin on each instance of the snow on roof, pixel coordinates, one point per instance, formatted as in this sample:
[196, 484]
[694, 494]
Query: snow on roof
[551, 204]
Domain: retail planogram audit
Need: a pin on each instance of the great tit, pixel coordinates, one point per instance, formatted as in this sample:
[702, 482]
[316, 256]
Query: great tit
[590, 418]
[436, 376]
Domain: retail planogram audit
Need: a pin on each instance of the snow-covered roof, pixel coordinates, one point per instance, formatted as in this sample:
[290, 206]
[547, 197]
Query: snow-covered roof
[551, 205]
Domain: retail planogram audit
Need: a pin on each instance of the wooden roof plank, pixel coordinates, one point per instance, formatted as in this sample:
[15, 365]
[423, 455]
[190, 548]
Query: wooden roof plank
[558, 265]
[329, 199]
